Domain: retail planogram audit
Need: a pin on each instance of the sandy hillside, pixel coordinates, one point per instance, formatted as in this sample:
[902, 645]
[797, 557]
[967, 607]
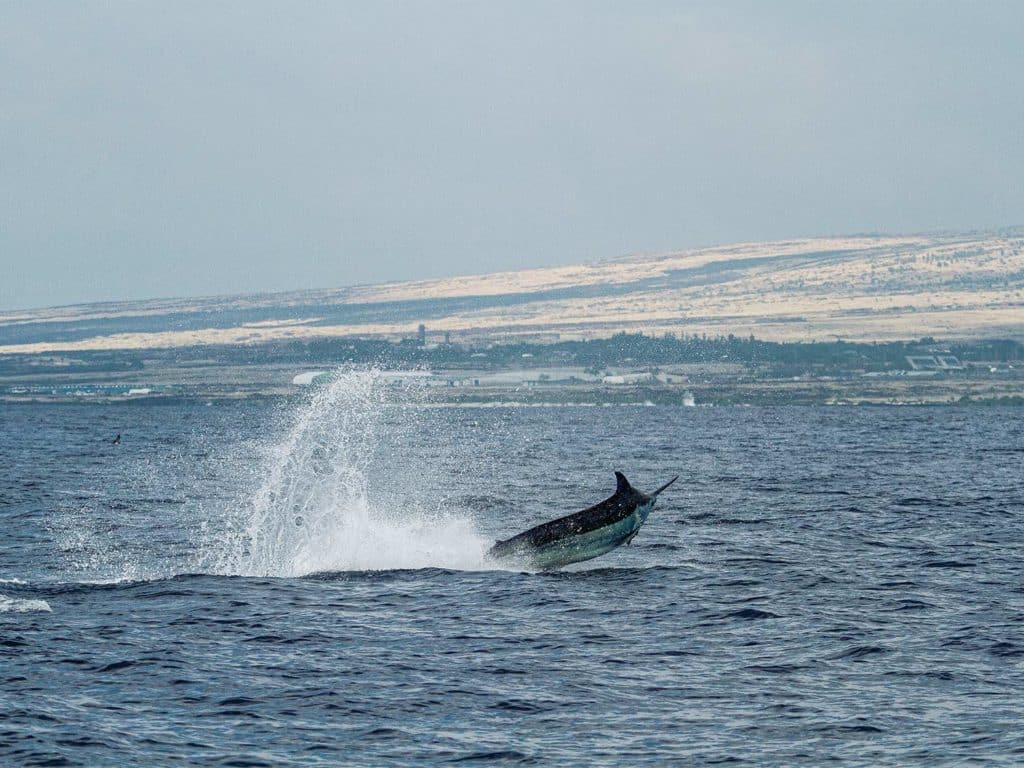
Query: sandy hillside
[857, 288]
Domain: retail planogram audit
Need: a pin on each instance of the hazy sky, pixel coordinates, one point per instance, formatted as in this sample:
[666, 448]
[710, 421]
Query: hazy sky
[161, 149]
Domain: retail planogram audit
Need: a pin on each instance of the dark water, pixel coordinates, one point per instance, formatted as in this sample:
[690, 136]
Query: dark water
[829, 586]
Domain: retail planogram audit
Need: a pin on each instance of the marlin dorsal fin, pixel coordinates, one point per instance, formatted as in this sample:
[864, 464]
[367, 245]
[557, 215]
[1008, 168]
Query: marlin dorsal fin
[621, 483]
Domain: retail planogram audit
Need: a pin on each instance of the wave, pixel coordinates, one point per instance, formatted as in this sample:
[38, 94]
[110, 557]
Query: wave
[23, 605]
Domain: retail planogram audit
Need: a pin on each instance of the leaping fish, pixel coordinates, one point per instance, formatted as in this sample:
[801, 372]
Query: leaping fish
[582, 535]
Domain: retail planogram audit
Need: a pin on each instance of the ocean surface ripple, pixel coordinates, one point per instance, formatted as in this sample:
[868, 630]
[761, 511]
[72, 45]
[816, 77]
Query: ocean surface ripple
[267, 585]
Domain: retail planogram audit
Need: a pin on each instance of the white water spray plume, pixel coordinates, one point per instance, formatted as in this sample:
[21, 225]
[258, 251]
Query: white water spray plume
[314, 509]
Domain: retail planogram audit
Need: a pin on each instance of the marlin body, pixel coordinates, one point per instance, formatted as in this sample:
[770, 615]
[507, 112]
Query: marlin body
[582, 535]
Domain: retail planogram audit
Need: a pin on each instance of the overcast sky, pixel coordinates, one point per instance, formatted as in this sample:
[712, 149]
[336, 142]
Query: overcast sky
[152, 149]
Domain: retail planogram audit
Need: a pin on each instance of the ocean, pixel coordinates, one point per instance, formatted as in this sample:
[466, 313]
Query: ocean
[304, 582]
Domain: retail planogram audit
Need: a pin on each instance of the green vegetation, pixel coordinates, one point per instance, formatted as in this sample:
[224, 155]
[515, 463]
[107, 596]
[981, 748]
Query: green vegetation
[624, 368]
[767, 359]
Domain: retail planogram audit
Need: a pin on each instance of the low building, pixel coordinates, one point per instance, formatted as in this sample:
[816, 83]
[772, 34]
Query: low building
[934, 363]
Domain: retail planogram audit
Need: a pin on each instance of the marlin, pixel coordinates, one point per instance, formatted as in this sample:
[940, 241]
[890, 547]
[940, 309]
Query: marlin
[582, 535]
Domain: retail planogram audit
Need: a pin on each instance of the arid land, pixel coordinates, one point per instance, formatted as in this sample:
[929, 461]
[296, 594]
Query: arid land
[941, 289]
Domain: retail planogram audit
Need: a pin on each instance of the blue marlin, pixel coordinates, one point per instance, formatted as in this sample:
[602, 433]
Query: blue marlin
[582, 535]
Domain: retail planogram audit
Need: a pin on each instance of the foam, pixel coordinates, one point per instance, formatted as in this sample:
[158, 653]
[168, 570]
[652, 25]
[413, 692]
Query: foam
[19, 605]
[312, 508]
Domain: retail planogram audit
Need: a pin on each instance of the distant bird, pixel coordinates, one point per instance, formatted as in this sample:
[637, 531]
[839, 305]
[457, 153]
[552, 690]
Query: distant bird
[117, 440]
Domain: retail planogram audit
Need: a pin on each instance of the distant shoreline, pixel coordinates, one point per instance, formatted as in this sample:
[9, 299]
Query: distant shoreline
[627, 368]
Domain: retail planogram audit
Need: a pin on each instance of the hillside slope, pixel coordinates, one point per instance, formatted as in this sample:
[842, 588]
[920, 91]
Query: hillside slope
[856, 288]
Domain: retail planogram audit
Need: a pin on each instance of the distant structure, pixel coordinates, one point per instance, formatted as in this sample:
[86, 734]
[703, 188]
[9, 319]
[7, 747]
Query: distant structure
[934, 363]
[627, 378]
[421, 335]
[447, 338]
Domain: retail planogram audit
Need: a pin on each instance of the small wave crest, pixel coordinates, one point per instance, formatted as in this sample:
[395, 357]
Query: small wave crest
[23, 605]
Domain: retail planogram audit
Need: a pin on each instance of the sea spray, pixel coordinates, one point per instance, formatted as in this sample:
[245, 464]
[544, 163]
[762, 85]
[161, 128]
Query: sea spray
[334, 478]
[312, 507]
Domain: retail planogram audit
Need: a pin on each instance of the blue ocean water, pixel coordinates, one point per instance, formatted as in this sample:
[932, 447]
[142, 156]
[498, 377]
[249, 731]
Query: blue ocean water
[304, 583]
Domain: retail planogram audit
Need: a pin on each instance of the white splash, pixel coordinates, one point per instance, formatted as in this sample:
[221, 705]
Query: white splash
[19, 605]
[313, 509]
